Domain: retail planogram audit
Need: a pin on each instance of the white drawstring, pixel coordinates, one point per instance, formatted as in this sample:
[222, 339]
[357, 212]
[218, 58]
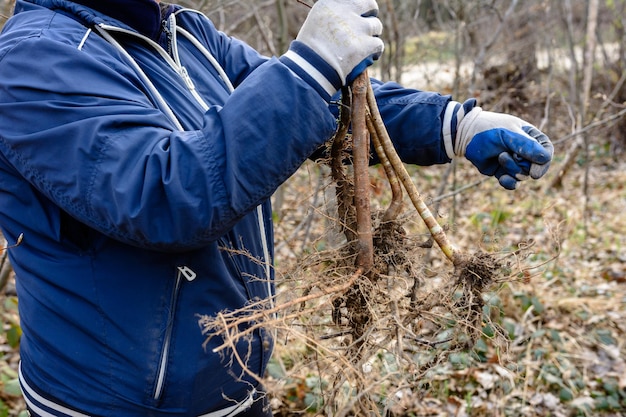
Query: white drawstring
[209, 57]
[162, 104]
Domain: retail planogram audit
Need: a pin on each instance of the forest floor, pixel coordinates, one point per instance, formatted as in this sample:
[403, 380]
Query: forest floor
[564, 316]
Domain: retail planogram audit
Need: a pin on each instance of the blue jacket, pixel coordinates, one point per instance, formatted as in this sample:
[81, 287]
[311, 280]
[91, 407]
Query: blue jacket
[141, 185]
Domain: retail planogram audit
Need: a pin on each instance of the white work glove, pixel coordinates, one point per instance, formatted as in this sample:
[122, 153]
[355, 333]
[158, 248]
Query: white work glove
[338, 40]
[498, 144]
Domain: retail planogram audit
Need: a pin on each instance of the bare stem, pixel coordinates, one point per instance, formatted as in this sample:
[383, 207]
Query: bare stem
[344, 191]
[435, 229]
[395, 206]
[360, 144]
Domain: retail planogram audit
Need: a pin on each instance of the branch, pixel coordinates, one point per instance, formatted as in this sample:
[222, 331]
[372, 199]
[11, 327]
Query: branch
[360, 151]
[435, 229]
[590, 126]
[395, 206]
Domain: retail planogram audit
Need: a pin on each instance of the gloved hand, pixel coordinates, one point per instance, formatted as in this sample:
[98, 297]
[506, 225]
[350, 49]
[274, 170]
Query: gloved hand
[338, 40]
[498, 144]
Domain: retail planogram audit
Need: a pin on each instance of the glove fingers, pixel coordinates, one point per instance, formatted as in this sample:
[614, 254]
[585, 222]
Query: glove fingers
[365, 8]
[540, 137]
[374, 43]
[507, 181]
[504, 146]
[537, 171]
[530, 150]
[375, 26]
[514, 166]
[370, 29]
[535, 133]
[338, 40]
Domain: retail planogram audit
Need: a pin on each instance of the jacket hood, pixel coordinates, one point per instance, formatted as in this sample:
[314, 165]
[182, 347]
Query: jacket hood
[142, 15]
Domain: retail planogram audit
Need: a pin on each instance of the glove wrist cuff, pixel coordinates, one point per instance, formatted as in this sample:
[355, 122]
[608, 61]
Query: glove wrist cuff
[465, 131]
[313, 69]
[453, 116]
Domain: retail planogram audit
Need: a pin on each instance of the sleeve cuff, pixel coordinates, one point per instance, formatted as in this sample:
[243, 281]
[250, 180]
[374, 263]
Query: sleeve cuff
[309, 66]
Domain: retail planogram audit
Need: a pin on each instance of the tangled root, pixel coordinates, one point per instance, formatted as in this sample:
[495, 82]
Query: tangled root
[451, 314]
[396, 310]
[478, 270]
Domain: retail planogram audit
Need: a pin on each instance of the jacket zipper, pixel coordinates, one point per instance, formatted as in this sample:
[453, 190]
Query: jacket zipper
[169, 28]
[189, 275]
[172, 60]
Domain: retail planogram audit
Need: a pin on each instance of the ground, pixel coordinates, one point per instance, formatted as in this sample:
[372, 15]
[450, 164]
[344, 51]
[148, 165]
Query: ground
[562, 314]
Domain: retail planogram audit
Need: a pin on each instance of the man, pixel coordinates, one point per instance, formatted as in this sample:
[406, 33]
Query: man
[136, 144]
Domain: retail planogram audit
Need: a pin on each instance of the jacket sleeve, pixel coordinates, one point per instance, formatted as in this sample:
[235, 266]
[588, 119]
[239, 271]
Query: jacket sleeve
[84, 133]
[413, 119]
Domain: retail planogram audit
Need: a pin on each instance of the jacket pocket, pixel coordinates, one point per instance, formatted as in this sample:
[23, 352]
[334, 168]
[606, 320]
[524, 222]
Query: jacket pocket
[182, 273]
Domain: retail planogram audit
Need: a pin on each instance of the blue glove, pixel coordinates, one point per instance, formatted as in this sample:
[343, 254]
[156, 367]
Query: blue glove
[498, 144]
[337, 42]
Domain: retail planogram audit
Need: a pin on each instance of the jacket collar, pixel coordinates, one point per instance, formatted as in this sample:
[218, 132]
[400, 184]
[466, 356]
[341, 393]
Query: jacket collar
[142, 15]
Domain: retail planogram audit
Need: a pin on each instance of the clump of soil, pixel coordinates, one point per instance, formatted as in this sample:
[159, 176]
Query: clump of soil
[478, 270]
